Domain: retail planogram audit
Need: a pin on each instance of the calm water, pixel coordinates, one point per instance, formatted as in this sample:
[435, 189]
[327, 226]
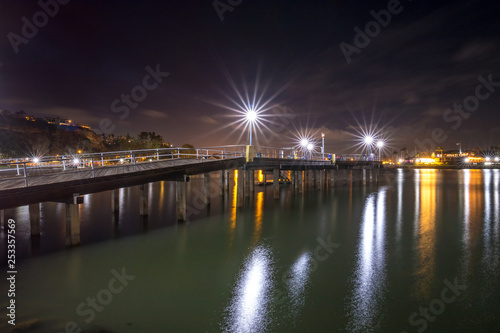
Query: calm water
[421, 254]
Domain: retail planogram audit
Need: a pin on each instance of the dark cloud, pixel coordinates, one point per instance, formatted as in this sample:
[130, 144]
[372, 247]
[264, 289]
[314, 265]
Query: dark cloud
[90, 53]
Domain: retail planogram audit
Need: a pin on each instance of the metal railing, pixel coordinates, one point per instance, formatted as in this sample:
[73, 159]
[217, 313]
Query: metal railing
[53, 165]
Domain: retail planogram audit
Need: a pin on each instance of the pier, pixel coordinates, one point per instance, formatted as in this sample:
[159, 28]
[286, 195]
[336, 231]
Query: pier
[67, 179]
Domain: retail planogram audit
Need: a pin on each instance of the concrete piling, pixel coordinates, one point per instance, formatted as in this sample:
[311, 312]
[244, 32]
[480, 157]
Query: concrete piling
[34, 211]
[240, 188]
[276, 183]
[72, 224]
[206, 189]
[180, 195]
[221, 182]
[143, 200]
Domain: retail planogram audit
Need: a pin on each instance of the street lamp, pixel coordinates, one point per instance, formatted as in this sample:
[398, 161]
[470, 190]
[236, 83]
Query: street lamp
[322, 145]
[380, 144]
[303, 143]
[251, 118]
[368, 141]
[310, 147]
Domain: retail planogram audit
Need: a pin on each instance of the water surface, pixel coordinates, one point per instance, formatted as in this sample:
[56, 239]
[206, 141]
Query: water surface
[347, 259]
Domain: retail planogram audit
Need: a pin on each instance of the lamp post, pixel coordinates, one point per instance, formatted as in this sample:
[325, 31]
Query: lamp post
[380, 144]
[310, 147]
[251, 117]
[368, 141]
[303, 144]
[322, 145]
[459, 144]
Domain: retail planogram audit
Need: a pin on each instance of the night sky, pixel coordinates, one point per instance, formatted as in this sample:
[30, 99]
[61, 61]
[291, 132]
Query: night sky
[401, 84]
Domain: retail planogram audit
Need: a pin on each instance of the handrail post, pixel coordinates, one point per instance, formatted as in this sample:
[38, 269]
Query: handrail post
[178, 153]
[64, 163]
[17, 166]
[102, 159]
[157, 155]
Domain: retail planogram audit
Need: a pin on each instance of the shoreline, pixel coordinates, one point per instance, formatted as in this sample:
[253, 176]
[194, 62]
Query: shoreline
[443, 167]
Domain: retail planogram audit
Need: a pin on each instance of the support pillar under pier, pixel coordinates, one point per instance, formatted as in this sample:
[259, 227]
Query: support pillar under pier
[34, 210]
[252, 182]
[206, 188]
[72, 224]
[364, 177]
[240, 188]
[247, 184]
[180, 196]
[276, 183]
[332, 177]
[322, 179]
[226, 180]
[143, 200]
[301, 181]
[221, 182]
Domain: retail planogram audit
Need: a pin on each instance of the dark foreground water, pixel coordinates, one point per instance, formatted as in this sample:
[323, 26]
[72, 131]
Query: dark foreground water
[421, 254]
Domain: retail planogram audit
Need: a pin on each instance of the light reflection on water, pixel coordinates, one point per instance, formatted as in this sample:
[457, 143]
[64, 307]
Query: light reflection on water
[370, 274]
[249, 305]
[426, 248]
[298, 282]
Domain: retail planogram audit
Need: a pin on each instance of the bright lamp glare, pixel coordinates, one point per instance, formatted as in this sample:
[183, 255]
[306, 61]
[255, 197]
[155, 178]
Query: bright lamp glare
[487, 159]
[36, 160]
[251, 115]
[380, 144]
[304, 142]
[368, 140]
[466, 160]
[310, 146]
[497, 159]
[76, 161]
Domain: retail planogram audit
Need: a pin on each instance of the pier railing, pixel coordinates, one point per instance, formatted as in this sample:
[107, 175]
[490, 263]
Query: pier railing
[72, 163]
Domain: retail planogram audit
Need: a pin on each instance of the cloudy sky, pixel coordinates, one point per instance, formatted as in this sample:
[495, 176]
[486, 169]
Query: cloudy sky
[180, 67]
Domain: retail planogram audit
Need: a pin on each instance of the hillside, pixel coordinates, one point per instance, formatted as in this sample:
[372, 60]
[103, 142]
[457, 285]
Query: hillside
[21, 137]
